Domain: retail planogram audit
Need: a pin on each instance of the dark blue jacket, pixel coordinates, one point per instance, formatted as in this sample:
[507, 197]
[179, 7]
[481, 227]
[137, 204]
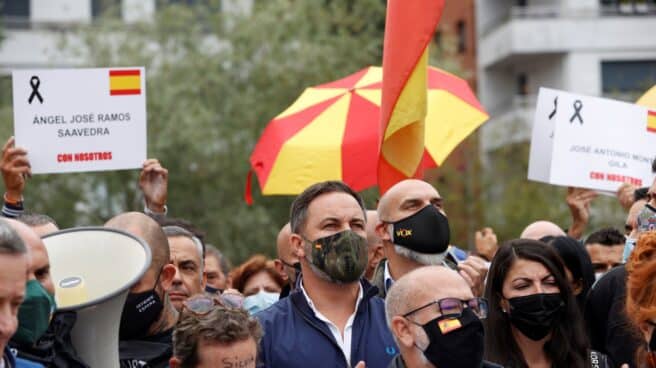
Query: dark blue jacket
[295, 337]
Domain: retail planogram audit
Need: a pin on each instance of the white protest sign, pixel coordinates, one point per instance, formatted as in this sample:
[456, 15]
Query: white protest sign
[539, 167]
[596, 143]
[74, 120]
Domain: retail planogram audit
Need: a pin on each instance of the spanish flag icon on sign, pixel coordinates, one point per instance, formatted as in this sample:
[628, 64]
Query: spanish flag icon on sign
[651, 121]
[125, 82]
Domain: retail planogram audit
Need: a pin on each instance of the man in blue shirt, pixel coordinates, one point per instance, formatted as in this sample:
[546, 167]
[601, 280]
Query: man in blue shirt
[334, 318]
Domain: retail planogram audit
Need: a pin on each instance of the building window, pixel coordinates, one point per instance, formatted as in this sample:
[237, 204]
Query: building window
[461, 29]
[105, 7]
[15, 8]
[214, 5]
[628, 76]
[628, 6]
[522, 84]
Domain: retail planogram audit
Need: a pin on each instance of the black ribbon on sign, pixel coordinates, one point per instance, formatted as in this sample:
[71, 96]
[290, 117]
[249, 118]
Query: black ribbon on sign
[553, 113]
[578, 106]
[35, 82]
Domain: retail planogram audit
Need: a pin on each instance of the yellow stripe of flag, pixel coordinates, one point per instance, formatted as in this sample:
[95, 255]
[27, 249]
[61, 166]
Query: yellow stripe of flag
[125, 82]
[651, 121]
[403, 142]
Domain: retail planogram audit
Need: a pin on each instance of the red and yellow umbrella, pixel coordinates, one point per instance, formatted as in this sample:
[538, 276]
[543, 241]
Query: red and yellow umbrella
[332, 132]
[648, 99]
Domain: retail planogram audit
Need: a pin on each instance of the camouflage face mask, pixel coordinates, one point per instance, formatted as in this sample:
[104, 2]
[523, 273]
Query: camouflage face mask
[339, 258]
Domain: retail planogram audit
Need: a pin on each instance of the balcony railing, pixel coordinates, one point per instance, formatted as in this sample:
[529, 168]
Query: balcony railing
[18, 23]
[514, 103]
[557, 11]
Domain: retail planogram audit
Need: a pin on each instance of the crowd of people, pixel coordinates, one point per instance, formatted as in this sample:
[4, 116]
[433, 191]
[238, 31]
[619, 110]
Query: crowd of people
[350, 287]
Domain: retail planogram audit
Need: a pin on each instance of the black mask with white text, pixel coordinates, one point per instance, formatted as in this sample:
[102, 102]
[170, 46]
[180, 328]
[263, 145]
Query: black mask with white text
[140, 311]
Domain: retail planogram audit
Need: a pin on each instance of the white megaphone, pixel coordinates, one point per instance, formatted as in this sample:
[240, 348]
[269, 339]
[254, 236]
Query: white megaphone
[92, 269]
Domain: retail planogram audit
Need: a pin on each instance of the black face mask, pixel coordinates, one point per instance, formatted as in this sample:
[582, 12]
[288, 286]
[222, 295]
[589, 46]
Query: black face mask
[455, 342]
[212, 290]
[140, 311]
[427, 231]
[534, 315]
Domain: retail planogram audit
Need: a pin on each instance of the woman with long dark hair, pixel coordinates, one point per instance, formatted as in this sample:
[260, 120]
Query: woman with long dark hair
[534, 319]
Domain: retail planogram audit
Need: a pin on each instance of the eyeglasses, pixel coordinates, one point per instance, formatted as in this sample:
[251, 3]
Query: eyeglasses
[455, 306]
[202, 304]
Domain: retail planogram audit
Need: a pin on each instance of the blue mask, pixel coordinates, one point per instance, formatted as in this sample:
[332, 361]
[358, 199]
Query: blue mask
[260, 301]
[629, 244]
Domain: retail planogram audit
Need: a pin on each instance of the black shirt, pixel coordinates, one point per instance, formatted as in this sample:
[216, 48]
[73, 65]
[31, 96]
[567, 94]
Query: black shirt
[149, 352]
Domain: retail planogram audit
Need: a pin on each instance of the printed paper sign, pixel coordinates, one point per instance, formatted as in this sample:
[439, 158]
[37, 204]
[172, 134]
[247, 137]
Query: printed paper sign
[74, 120]
[594, 143]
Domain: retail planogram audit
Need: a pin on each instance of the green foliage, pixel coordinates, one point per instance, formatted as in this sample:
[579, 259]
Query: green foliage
[213, 82]
[510, 201]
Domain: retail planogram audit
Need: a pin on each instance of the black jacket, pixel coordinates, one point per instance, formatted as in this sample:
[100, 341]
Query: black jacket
[150, 352]
[608, 328]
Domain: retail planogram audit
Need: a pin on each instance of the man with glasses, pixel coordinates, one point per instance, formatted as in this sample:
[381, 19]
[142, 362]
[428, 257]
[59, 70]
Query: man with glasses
[436, 323]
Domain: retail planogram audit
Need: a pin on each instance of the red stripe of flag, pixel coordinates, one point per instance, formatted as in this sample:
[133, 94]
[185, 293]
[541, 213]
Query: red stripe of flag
[360, 143]
[652, 113]
[120, 73]
[117, 92]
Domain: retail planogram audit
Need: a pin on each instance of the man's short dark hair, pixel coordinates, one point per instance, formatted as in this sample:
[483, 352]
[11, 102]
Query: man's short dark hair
[36, 219]
[10, 242]
[221, 325]
[298, 213]
[607, 236]
[224, 263]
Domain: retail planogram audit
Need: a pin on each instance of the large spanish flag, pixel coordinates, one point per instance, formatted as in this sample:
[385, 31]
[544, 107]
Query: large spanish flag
[409, 29]
[125, 82]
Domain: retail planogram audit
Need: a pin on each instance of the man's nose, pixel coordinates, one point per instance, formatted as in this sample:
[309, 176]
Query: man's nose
[8, 322]
[177, 278]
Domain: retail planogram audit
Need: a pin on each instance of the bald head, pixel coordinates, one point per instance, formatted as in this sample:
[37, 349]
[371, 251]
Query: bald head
[412, 291]
[540, 229]
[39, 266]
[283, 244]
[632, 217]
[146, 228]
[406, 198]
[372, 220]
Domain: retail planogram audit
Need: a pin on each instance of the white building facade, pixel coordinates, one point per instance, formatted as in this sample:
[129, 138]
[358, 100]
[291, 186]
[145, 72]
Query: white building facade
[32, 30]
[593, 47]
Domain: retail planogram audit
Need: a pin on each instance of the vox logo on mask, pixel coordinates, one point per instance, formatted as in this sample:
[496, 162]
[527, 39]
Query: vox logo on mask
[404, 233]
